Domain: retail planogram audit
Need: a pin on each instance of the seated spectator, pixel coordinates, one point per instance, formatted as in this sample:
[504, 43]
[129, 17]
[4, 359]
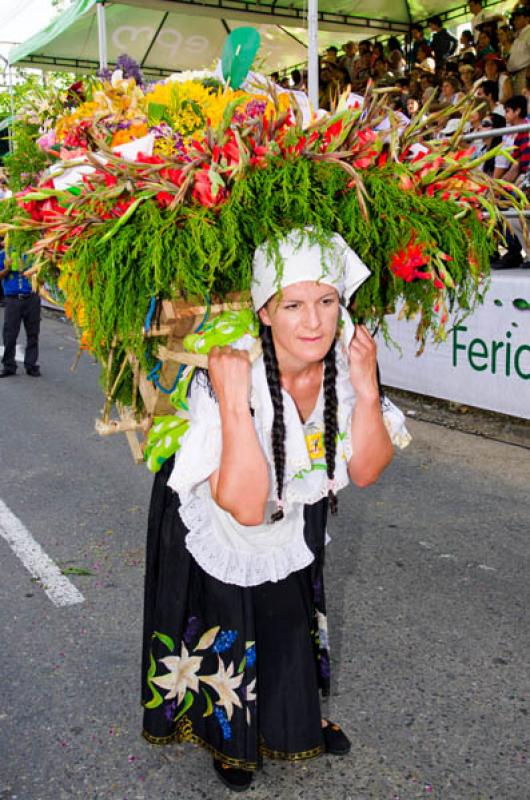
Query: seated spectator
[363, 72]
[505, 37]
[428, 85]
[516, 114]
[495, 70]
[378, 54]
[396, 59]
[443, 44]
[467, 44]
[349, 59]
[381, 74]
[489, 91]
[451, 93]
[297, 81]
[467, 78]
[484, 47]
[425, 60]
[331, 55]
[489, 124]
[519, 58]
[412, 107]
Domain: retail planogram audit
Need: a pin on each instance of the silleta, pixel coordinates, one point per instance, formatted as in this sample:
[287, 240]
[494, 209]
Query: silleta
[497, 356]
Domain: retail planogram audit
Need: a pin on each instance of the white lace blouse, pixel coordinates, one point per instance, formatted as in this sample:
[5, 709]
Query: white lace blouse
[250, 555]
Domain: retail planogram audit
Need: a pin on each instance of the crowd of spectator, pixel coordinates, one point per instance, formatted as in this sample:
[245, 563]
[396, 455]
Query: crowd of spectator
[489, 63]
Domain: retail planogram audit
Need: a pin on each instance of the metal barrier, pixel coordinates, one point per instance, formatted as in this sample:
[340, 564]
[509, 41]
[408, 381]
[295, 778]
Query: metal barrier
[485, 132]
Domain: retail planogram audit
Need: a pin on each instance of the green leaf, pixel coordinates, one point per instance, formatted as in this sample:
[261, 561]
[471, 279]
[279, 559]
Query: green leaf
[167, 640]
[188, 701]
[76, 571]
[156, 699]
[122, 220]
[242, 664]
[155, 113]
[239, 51]
[209, 703]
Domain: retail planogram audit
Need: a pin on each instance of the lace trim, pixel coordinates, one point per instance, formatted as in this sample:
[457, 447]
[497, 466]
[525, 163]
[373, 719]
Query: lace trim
[234, 566]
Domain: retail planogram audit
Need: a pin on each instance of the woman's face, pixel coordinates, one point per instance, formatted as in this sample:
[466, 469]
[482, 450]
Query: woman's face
[491, 70]
[483, 40]
[304, 319]
[412, 106]
[447, 89]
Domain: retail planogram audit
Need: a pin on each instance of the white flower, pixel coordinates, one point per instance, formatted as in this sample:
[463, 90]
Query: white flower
[250, 694]
[224, 682]
[182, 674]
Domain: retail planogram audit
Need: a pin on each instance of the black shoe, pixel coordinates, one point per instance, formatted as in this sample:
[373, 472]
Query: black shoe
[33, 372]
[238, 780]
[336, 743]
[508, 261]
[7, 372]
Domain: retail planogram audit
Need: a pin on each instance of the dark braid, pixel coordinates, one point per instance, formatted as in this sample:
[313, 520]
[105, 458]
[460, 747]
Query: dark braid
[278, 425]
[330, 421]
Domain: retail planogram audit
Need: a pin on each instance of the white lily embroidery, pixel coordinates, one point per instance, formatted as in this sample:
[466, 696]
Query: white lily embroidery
[181, 676]
[224, 682]
[250, 697]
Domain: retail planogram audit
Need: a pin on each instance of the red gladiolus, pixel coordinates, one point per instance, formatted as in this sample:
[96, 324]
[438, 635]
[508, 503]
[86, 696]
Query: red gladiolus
[202, 190]
[438, 284]
[145, 159]
[121, 207]
[165, 199]
[405, 263]
[110, 180]
[174, 175]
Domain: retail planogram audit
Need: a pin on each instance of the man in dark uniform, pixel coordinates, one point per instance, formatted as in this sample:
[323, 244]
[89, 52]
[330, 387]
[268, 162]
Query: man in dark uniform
[21, 305]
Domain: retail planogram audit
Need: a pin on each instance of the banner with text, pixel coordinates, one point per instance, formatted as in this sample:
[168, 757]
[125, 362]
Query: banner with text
[485, 361]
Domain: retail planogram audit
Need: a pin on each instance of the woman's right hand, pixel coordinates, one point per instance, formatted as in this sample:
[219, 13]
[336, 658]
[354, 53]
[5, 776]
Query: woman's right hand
[230, 370]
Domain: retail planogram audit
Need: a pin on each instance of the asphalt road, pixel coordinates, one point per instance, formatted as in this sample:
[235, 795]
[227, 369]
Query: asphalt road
[428, 594]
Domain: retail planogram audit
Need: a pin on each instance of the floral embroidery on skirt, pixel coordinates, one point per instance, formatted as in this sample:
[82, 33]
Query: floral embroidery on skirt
[235, 669]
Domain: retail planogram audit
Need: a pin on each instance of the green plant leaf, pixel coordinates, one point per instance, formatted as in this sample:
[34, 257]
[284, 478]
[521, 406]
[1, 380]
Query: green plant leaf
[156, 113]
[167, 640]
[76, 571]
[122, 220]
[188, 701]
[242, 664]
[209, 703]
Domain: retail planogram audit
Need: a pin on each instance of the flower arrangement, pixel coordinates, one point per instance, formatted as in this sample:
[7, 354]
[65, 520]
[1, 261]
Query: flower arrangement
[215, 172]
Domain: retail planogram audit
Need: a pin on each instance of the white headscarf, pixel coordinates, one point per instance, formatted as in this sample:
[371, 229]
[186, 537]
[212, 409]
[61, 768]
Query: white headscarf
[334, 264]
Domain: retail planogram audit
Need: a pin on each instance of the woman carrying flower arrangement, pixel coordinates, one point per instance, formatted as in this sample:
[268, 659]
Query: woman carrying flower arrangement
[235, 639]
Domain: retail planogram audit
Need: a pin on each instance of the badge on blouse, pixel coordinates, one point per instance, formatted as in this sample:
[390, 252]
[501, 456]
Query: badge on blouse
[315, 445]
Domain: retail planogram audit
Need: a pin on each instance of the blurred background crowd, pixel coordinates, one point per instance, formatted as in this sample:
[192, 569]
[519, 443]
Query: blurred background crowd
[490, 62]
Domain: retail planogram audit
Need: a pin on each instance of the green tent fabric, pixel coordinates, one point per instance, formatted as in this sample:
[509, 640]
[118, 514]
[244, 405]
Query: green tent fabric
[167, 35]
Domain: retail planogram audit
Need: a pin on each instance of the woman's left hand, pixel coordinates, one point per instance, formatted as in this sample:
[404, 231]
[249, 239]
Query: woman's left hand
[363, 364]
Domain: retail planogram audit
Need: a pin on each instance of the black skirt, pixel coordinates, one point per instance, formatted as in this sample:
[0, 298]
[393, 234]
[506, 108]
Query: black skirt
[237, 670]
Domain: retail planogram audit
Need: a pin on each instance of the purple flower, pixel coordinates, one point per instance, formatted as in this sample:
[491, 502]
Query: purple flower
[191, 630]
[169, 710]
[324, 664]
[130, 68]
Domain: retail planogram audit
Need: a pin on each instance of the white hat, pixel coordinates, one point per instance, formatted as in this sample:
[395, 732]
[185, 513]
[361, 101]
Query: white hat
[304, 256]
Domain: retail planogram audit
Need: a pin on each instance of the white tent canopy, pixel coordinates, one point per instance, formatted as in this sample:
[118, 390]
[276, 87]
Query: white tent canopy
[169, 35]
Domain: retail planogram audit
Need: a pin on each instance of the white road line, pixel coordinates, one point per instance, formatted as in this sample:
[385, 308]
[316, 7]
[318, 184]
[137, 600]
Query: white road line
[19, 355]
[58, 588]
